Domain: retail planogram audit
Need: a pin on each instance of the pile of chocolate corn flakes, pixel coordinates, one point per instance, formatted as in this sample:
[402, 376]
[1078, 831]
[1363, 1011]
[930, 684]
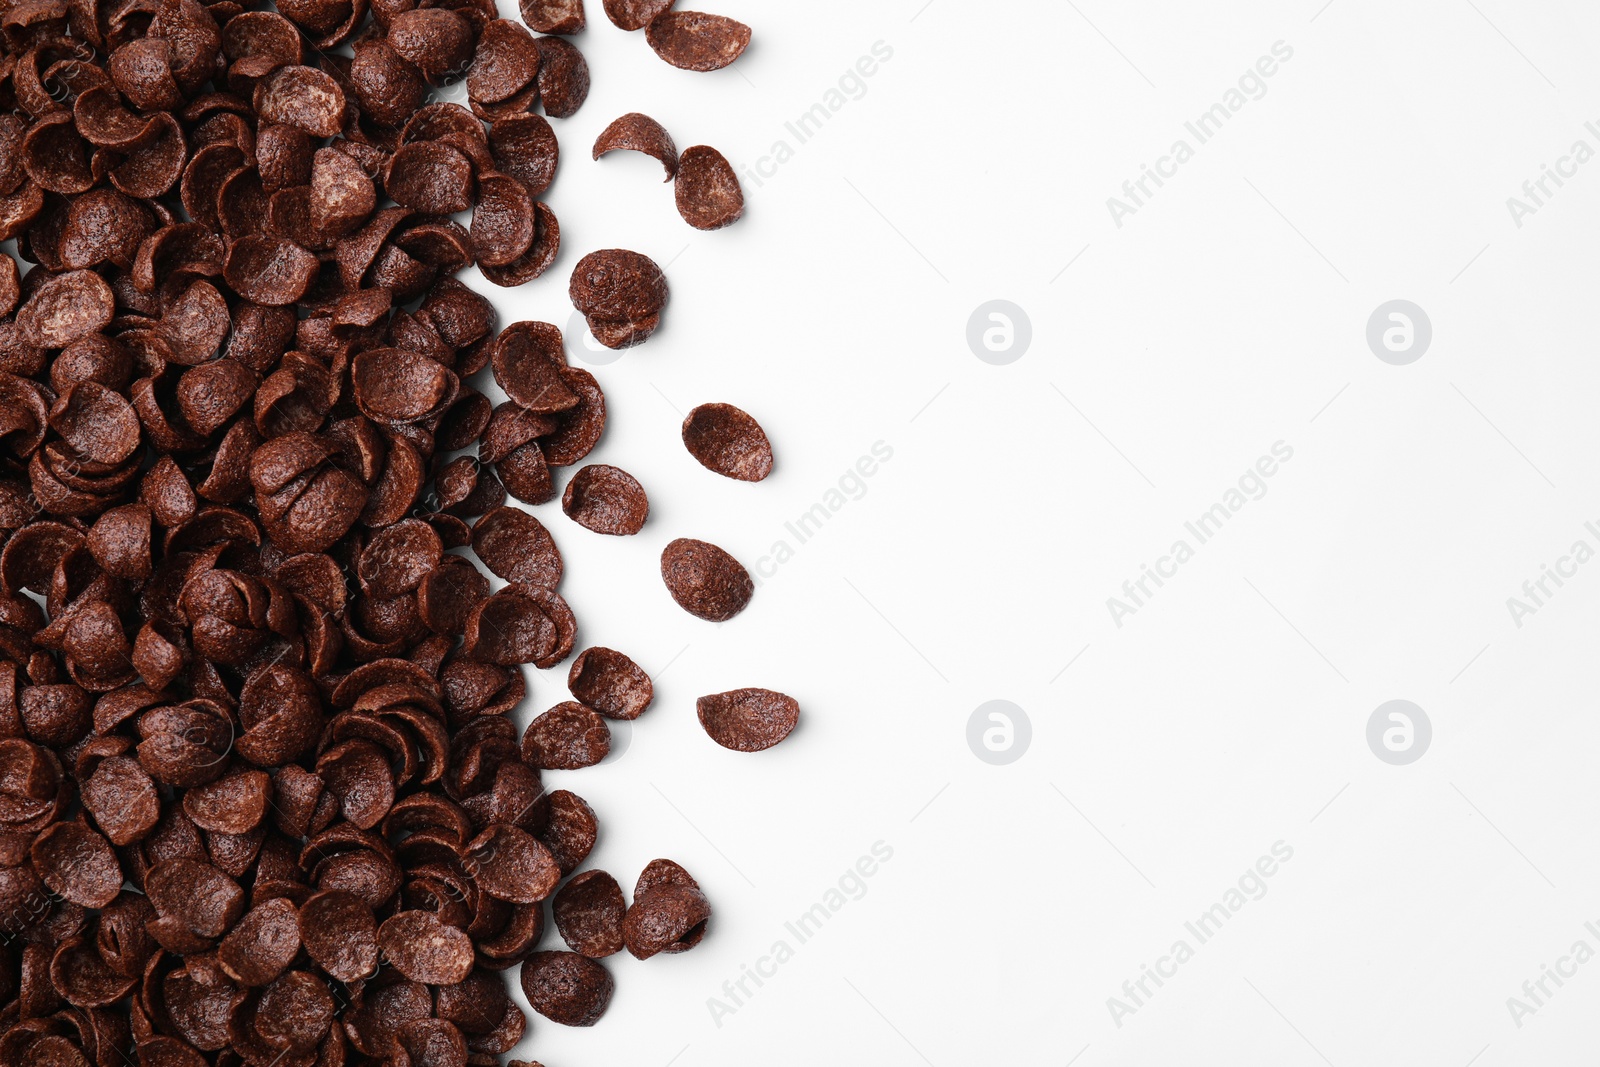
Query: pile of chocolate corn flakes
[261, 798]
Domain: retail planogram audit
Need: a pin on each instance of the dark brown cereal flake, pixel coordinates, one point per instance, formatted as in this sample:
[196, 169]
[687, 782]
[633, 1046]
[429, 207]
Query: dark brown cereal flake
[568, 737]
[80, 975]
[509, 628]
[571, 831]
[424, 949]
[66, 307]
[621, 294]
[279, 706]
[436, 41]
[122, 799]
[606, 499]
[432, 1043]
[669, 912]
[692, 40]
[588, 911]
[120, 542]
[273, 271]
[582, 426]
[566, 988]
[704, 580]
[340, 933]
[475, 1006]
[727, 440]
[610, 683]
[616, 285]
[232, 804]
[447, 596]
[342, 195]
[387, 89]
[263, 944]
[528, 360]
[374, 1026]
[503, 223]
[563, 77]
[516, 546]
[196, 895]
[77, 863]
[506, 60]
[539, 257]
[99, 425]
[510, 864]
[635, 14]
[748, 720]
[525, 147]
[639, 133]
[398, 558]
[294, 1012]
[431, 177]
[707, 189]
[398, 386]
[303, 97]
[671, 918]
[359, 775]
[553, 16]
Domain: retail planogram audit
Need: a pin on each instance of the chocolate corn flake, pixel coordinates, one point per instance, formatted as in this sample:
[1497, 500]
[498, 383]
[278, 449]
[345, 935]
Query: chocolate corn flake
[340, 933]
[553, 16]
[669, 912]
[606, 499]
[528, 361]
[639, 133]
[517, 547]
[66, 307]
[621, 294]
[503, 221]
[263, 944]
[512, 865]
[505, 62]
[302, 97]
[571, 831]
[563, 83]
[539, 257]
[77, 863]
[525, 147]
[692, 40]
[589, 912]
[748, 720]
[424, 949]
[568, 737]
[635, 14]
[707, 190]
[610, 683]
[728, 441]
[566, 988]
[705, 580]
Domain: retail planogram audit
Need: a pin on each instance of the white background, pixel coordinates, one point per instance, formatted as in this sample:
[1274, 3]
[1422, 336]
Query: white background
[1230, 712]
